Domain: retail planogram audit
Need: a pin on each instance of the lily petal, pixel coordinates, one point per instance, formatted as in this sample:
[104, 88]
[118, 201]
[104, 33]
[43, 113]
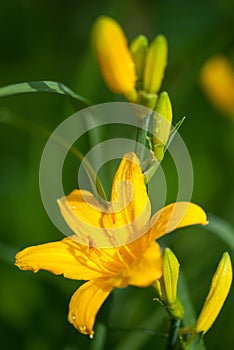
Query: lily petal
[176, 215]
[66, 257]
[83, 214]
[86, 302]
[144, 271]
[129, 209]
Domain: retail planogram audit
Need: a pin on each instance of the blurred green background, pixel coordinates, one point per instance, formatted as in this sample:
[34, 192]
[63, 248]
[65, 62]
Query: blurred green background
[50, 40]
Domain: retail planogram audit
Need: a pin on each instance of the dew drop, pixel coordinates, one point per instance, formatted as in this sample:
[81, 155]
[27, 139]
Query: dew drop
[73, 317]
[73, 207]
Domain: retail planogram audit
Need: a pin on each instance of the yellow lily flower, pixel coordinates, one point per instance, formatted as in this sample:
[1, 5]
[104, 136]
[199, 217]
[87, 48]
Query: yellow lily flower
[138, 262]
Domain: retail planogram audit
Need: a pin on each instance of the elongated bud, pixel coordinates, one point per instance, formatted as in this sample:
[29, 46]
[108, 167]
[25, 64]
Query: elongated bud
[217, 79]
[156, 61]
[138, 48]
[162, 124]
[217, 295]
[114, 57]
[166, 286]
[170, 276]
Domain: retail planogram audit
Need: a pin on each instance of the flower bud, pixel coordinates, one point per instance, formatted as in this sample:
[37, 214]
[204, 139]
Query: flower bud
[138, 48]
[217, 295]
[166, 286]
[162, 124]
[170, 276]
[156, 61]
[114, 57]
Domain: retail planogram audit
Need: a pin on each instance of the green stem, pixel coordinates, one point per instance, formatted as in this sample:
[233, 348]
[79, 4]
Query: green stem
[142, 132]
[98, 342]
[173, 334]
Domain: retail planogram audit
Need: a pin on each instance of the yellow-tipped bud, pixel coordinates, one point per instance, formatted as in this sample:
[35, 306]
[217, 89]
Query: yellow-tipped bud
[219, 289]
[114, 57]
[138, 48]
[162, 124]
[217, 79]
[156, 61]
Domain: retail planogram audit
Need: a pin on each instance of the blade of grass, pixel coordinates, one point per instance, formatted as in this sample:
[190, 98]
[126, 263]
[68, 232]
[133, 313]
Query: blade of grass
[42, 86]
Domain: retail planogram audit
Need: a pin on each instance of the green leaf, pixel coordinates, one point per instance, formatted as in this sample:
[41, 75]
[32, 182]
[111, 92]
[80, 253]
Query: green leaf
[42, 86]
[222, 229]
[9, 119]
[174, 131]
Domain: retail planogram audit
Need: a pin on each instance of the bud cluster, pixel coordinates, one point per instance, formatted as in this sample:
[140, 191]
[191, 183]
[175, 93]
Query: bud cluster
[136, 72]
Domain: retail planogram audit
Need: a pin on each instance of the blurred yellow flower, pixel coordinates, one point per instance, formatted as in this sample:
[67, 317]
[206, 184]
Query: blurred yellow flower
[102, 259]
[217, 79]
[219, 290]
[113, 55]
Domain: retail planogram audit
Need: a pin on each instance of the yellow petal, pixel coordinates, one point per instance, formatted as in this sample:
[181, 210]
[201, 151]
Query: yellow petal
[66, 257]
[83, 214]
[144, 271]
[176, 215]
[113, 55]
[86, 302]
[129, 211]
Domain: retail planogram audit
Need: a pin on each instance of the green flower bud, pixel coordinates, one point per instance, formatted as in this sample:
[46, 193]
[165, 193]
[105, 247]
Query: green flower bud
[162, 124]
[166, 286]
[156, 61]
[170, 276]
[138, 49]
